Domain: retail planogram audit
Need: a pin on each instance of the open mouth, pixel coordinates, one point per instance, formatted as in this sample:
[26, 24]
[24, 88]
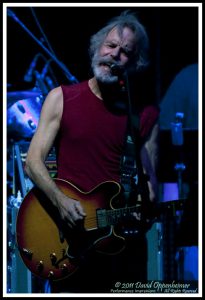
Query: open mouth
[105, 66]
[113, 68]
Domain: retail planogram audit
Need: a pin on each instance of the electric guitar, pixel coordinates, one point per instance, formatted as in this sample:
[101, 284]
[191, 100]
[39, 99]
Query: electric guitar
[50, 249]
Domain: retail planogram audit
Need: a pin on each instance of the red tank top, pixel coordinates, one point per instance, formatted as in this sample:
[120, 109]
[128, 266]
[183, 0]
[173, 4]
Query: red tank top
[90, 140]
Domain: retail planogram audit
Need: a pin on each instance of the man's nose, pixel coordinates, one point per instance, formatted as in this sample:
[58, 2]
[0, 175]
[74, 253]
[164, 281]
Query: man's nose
[115, 53]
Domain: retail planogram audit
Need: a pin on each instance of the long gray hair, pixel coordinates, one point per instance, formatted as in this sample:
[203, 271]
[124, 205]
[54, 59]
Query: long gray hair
[125, 19]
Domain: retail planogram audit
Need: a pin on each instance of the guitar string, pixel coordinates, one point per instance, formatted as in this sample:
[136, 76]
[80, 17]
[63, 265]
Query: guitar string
[111, 214]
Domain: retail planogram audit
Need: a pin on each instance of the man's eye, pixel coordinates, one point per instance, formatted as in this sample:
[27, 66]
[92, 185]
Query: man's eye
[128, 53]
[110, 45]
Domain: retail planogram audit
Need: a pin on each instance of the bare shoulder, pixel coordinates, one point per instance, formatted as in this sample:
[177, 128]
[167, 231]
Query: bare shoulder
[53, 104]
[54, 96]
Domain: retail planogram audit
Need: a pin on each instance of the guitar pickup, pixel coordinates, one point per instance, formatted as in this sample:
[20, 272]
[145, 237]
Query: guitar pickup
[101, 218]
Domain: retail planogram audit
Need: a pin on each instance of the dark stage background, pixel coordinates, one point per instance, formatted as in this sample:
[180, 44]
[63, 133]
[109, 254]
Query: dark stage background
[173, 33]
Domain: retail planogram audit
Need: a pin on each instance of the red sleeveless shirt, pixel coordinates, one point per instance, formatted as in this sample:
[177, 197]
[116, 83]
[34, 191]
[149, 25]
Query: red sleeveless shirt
[91, 138]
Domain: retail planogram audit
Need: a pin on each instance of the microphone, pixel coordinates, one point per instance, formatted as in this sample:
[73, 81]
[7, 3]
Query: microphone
[50, 82]
[45, 69]
[45, 77]
[41, 83]
[116, 69]
[29, 74]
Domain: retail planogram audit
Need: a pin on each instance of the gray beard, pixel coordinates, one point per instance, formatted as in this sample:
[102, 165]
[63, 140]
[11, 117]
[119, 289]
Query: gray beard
[104, 78]
[107, 78]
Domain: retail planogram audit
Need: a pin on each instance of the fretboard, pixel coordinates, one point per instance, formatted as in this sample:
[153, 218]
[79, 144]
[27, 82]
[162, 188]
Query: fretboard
[113, 216]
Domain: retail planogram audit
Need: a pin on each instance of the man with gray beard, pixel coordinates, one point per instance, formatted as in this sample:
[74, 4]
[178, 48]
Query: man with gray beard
[88, 123]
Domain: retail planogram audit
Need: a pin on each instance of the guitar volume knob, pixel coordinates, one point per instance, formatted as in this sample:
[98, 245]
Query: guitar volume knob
[27, 253]
[50, 275]
[40, 266]
[64, 269]
[53, 258]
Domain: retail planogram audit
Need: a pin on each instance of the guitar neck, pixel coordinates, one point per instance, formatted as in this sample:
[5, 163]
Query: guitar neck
[112, 217]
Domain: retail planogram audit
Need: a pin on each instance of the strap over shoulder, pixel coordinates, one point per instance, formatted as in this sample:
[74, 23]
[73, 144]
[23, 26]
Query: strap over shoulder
[147, 118]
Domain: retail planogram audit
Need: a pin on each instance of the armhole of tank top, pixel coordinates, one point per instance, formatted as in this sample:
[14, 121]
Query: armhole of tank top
[63, 95]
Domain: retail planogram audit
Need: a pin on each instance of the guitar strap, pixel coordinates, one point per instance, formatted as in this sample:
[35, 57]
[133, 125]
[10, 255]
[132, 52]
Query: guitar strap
[133, 178]
[129, 172]
[134, 183]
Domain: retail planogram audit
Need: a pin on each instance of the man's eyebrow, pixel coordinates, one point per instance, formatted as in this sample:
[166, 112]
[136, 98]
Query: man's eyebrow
[127, 47]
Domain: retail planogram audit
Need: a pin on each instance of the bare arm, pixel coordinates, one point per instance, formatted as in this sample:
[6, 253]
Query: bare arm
[149, 156]
[42, 141]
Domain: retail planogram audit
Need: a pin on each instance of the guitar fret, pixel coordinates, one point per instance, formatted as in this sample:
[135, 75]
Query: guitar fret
[114, 215]
[111, 217]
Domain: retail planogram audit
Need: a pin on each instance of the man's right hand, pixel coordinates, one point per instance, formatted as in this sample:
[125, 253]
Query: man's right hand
[71, 211]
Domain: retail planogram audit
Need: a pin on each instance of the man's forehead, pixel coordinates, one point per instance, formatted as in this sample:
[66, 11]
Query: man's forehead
[126, 35]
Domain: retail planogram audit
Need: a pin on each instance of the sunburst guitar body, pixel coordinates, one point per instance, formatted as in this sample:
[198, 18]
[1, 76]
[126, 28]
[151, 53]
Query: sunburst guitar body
[50, 249]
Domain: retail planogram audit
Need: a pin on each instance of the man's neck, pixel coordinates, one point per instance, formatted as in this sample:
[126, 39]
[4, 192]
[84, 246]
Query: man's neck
[113, 98]
[93, 84]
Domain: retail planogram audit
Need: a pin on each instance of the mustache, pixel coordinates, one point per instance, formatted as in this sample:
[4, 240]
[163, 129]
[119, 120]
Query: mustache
[97, 60]
[110, 63]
